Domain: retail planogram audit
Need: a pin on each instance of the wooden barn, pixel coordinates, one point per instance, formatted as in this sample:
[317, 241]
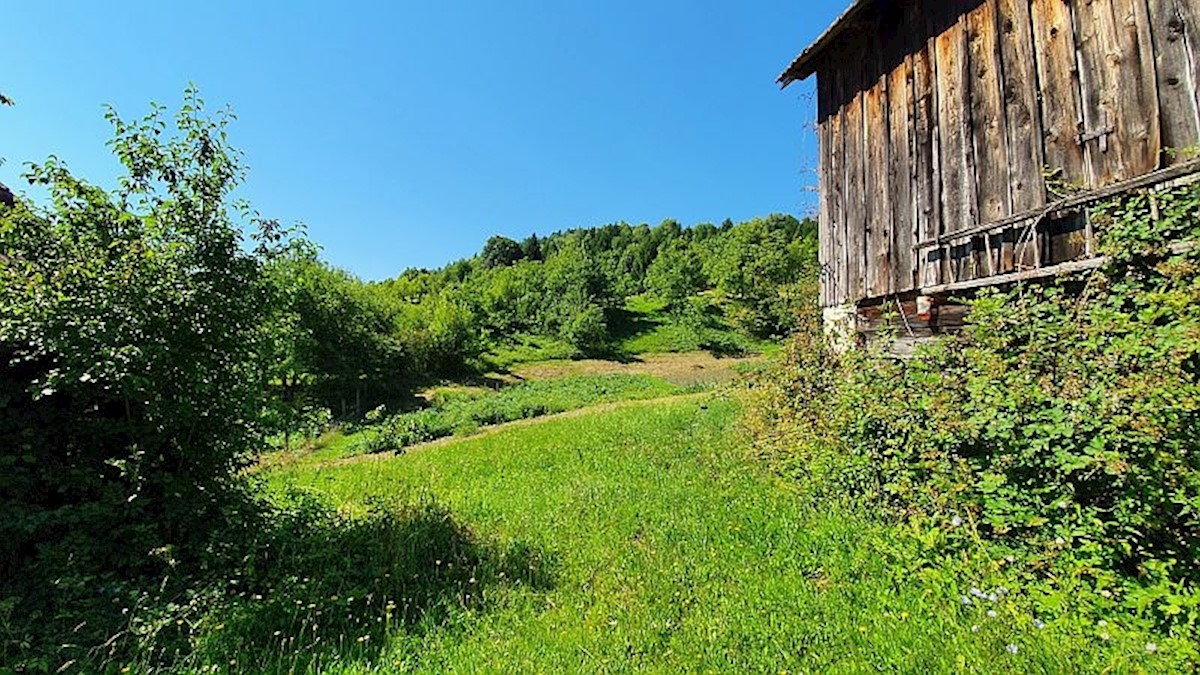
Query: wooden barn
[961, 140]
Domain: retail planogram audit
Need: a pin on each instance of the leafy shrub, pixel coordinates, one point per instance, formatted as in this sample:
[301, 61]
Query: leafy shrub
[128, 379]
[1060, 425]
[763, 269]
[586, 331]
[676, 274]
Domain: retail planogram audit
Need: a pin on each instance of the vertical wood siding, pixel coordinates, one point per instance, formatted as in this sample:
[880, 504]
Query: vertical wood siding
[825, 217]
[855, 157]
[1023, 122]
[1176, 36]
[900, 174]
[937, 117]
[926, 142]
[876, 188]
[954, 129]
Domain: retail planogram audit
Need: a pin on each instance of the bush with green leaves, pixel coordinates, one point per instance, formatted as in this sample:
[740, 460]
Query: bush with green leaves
[676, 274]
[1060, 425]
[129, 328]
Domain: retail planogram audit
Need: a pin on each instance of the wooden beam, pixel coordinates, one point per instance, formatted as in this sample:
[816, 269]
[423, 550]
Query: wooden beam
[1062, 269]
[1070, 203]
[1027, 275]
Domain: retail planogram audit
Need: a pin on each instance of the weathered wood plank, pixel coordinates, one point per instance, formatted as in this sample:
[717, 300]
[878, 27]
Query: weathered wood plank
[989, 134]
[1058, 77]
[1176, 34]
[1173, 175]
[927, 165]
[1120, 96]
[876, 186]
[957, 159]
[1065, 268]
[1023, 124]
[838, 275]
[824, 181]
[855, 158]
[899, 113]
[900, 318]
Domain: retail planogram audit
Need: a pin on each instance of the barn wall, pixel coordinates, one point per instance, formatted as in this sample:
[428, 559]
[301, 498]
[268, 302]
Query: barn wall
[937, 118]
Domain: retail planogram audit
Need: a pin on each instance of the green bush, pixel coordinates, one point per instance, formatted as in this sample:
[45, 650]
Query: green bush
[128, 379]
[1060, 425]
[586, 331]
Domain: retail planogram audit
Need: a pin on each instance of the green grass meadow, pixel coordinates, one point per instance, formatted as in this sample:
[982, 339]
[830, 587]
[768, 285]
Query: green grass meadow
[643, 538]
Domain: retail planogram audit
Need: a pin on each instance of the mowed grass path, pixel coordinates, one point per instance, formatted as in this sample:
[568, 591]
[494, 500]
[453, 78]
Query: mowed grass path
[671, 550]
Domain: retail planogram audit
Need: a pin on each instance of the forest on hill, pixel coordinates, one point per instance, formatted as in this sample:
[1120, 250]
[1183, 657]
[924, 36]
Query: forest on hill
[571, 294]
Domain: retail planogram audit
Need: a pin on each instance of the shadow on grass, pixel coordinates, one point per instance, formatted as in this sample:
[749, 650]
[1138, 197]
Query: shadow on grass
[329, 589]
[624, 325]
[721, 347]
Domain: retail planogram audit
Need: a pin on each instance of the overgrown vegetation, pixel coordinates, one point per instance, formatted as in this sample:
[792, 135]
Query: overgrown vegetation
[1027, 490]
[1059, 429]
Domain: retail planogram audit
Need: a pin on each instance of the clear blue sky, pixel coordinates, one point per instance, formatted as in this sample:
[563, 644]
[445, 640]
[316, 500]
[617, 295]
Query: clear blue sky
[405, 133]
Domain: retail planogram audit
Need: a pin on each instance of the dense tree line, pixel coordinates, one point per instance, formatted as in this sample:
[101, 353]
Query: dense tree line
[572, 283]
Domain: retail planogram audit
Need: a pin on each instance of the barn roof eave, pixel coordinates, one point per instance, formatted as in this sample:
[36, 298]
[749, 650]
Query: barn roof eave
[804, 65]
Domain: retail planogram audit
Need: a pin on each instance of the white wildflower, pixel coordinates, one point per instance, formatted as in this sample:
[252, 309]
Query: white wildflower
[991, 613]
[1039, 624]
[1151, 647]
[1013, 649]
[956, 521]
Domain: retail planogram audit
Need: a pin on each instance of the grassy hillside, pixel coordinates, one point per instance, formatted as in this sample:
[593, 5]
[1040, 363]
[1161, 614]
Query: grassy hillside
[645, 538]
[645, 325]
